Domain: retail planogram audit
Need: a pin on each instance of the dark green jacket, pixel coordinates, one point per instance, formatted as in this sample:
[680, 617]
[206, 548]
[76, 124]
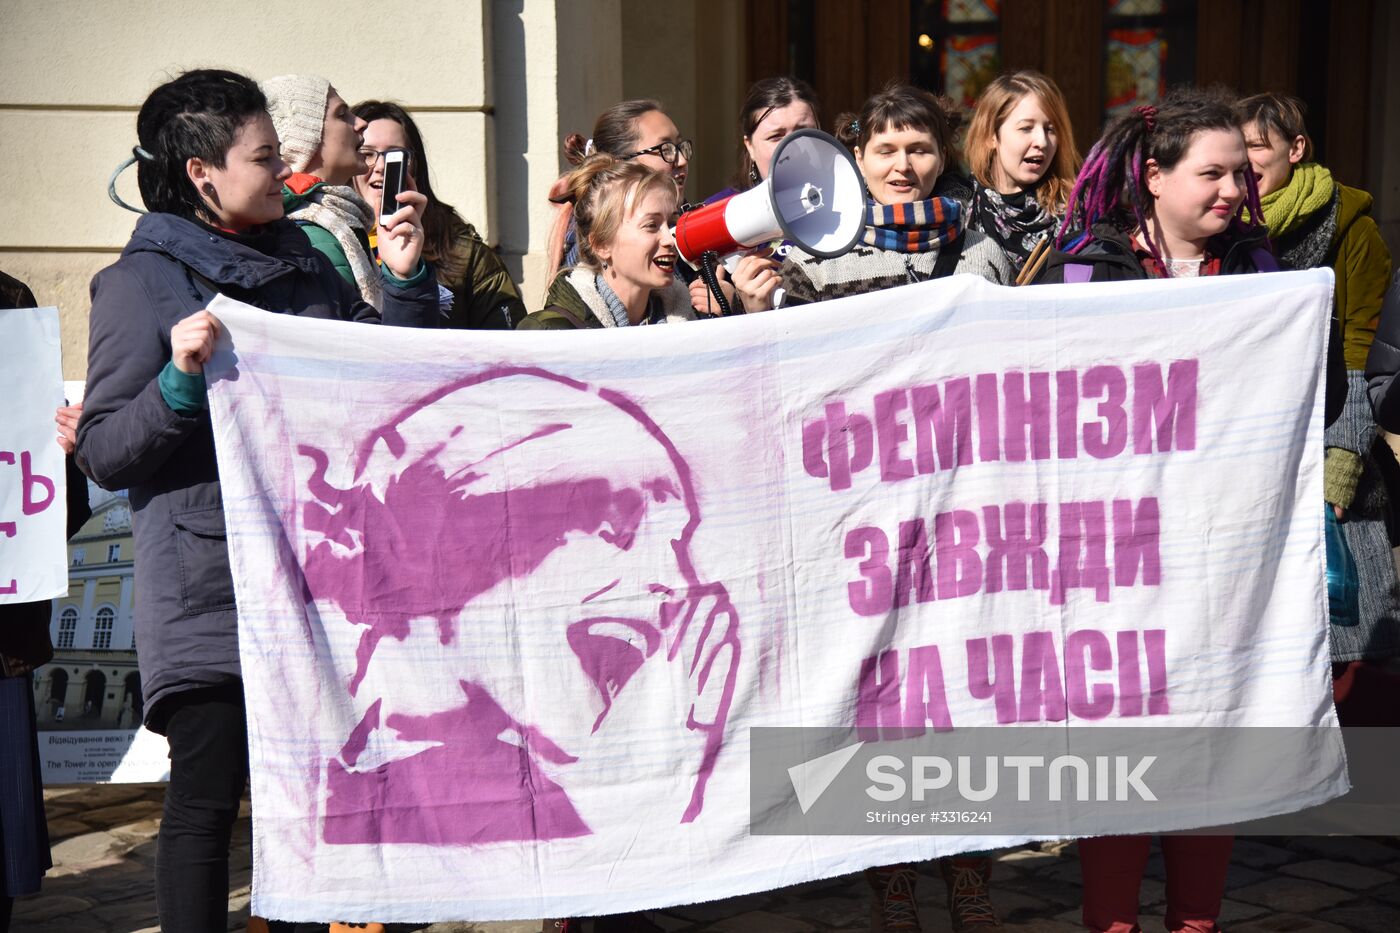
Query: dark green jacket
[563, 309]
[484, 296]
[322, 239]
[573, 302]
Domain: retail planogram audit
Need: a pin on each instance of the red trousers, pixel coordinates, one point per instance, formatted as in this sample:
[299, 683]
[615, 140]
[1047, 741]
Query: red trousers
[1113, 866]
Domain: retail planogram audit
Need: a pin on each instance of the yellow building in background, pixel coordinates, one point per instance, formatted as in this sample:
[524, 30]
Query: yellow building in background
[495, 85]
[92, 682]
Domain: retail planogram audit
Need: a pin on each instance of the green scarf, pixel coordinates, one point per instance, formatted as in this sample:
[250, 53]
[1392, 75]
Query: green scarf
[1307, 192]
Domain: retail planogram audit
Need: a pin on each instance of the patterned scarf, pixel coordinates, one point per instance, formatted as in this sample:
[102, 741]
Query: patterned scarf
[340, 211]
[1310, 246]
[914, 227]
[1016, 225]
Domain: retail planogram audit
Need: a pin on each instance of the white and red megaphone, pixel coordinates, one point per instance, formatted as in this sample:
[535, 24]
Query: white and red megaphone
[813, 196]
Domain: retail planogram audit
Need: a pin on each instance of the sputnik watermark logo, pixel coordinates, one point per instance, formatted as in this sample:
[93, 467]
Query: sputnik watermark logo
[1047, 782]
[1117, 778]
[811, 778]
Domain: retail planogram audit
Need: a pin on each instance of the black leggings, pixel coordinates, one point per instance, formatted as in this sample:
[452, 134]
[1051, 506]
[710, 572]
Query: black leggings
[208, 735]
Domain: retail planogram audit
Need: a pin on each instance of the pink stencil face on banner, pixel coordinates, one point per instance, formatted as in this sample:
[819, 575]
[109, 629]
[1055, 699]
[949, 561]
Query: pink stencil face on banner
[525, 570]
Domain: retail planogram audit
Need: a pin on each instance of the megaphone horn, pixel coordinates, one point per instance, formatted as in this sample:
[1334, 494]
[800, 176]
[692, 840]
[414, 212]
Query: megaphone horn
[813, 196]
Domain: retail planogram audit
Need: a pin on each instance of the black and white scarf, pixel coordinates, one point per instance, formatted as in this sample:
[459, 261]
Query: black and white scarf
[1016, 222]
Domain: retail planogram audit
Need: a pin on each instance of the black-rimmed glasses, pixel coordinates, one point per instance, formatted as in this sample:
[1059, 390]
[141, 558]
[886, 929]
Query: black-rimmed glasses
[372, 157]
[667, 150]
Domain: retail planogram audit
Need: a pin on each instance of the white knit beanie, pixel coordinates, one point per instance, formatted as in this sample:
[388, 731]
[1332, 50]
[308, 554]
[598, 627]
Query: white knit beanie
[297, 105]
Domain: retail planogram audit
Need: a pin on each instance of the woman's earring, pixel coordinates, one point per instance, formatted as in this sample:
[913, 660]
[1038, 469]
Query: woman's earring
[208, 189]
[753, 175]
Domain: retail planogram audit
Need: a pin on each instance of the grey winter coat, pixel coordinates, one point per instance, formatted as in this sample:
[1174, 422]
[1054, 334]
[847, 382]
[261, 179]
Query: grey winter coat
[1383, 361]
[130, 438]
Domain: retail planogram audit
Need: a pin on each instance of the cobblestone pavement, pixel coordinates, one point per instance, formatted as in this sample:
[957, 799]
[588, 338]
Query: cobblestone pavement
[104, 856]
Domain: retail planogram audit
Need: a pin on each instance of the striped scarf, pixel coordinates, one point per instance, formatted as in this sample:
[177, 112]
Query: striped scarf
[913, 227]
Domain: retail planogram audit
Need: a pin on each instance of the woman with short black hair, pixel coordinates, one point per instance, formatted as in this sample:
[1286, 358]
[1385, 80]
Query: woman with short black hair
[210, 173]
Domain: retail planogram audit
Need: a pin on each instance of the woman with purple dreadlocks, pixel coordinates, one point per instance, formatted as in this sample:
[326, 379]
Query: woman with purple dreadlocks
[1163, 195]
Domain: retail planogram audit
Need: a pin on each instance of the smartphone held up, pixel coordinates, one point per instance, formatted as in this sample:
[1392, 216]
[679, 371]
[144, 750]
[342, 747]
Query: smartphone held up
[395, 182]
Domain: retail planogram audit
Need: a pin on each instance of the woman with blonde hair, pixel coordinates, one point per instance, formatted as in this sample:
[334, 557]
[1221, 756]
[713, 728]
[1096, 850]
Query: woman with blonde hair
[625, 277]
[626, 271]
[1020, 149]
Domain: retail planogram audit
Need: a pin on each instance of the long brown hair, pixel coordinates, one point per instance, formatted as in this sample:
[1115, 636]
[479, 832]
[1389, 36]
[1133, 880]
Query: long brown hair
[994, 105]
[1112, 183]
[441, 222]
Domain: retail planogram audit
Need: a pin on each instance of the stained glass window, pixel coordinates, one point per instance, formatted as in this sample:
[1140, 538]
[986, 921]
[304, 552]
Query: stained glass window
[1149, 45]
[1135, 69]
[956, 48]
[1134, 7]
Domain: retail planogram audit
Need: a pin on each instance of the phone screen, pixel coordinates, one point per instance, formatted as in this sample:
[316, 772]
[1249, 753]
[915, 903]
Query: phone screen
[393, 185]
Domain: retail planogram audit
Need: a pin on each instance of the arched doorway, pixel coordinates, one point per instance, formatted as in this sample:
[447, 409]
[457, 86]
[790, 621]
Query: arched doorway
[133, 700]
[58, 693]
[93, 695]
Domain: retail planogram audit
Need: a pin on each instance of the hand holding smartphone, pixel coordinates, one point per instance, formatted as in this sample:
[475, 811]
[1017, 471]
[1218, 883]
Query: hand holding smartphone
[395, 182]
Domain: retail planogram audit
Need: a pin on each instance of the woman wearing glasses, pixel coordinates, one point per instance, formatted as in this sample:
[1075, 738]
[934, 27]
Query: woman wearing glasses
[478, 293]
[636, 130]
[321, 141]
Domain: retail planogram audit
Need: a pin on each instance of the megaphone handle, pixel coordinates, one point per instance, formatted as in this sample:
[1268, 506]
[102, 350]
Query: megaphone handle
[709, 260]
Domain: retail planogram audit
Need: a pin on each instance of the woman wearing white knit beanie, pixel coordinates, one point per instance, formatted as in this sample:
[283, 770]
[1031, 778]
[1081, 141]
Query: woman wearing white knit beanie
[321, 140]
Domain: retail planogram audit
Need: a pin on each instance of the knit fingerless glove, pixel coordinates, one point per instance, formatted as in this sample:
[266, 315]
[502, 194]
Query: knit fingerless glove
[1340, 472]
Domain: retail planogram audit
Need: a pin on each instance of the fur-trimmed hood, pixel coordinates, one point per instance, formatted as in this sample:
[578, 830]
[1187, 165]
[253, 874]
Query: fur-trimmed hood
[574, 301]
[675, 298]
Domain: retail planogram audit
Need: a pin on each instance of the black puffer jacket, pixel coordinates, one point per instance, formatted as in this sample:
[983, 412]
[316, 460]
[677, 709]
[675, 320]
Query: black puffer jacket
[1111, 258]
[130, 438]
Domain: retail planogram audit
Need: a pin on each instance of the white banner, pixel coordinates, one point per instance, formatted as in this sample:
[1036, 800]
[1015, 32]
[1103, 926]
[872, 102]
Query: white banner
[33, 489]
[510, 603]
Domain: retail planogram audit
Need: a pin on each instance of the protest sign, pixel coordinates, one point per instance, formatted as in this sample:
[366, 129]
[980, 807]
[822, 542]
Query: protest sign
[32, 481]
[87, 701]
[516, 611]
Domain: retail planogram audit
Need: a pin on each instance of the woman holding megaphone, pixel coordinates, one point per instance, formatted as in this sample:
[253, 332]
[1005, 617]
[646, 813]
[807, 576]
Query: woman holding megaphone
[902, 140]
[774, 109]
